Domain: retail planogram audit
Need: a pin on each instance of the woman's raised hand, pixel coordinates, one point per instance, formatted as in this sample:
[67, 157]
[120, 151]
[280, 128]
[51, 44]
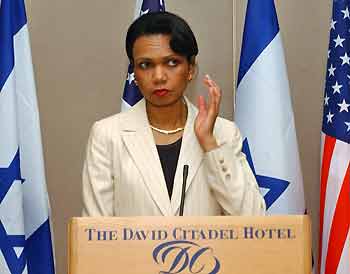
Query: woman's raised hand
[205, 120]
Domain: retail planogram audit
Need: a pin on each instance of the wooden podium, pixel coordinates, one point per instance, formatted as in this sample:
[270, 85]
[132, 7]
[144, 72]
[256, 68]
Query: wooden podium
[186, 245]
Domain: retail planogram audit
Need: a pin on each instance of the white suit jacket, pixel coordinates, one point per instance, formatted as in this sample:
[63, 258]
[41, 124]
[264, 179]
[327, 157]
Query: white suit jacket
[122, 173]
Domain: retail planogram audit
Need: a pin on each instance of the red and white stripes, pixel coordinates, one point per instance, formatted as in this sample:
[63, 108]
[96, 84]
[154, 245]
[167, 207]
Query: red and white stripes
[334, 240]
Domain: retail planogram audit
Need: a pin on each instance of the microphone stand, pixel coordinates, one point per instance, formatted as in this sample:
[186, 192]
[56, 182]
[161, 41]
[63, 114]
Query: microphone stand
[182, 203]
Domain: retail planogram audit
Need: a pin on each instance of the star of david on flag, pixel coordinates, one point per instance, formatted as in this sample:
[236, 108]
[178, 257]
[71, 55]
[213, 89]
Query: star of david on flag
[25, 236]
[264, 113]
[334, 238]
[132, 94]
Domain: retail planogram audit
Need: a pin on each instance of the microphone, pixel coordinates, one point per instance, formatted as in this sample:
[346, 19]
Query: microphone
[185, 174]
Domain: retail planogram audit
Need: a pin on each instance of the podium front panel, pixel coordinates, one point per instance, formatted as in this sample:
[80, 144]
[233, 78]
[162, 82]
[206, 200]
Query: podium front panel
[187, 245]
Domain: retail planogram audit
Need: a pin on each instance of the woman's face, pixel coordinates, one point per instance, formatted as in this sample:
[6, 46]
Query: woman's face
[161, 74]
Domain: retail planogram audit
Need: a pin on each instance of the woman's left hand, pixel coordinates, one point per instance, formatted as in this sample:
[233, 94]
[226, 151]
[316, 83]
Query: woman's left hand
[205, 120]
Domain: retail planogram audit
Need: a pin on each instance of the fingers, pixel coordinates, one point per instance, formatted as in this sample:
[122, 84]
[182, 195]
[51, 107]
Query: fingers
[208, 112]
[214, 96]
[202, 105]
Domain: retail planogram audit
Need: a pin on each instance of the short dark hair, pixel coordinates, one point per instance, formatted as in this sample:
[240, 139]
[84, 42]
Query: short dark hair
[182, 39]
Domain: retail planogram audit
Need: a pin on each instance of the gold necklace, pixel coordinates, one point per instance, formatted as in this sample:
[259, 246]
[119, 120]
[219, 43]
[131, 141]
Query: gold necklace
[163, 131]
[168, 132]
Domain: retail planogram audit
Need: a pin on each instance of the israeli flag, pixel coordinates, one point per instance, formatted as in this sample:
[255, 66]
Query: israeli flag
[264, 112]
[25, 238]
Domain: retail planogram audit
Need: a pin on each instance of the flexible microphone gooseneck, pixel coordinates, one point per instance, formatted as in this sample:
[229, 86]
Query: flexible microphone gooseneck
[182, 204]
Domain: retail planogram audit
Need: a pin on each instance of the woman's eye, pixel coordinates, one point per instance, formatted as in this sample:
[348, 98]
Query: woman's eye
[172, 62]
[144, 65]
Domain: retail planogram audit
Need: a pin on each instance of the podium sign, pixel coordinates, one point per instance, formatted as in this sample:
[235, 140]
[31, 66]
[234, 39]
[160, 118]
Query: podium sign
[185, 245]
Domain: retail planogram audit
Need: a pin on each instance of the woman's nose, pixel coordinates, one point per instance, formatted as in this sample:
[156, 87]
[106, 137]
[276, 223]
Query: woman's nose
[159, 74]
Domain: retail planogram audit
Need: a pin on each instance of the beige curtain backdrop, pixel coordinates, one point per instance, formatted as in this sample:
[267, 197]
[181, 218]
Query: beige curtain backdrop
[80, 68]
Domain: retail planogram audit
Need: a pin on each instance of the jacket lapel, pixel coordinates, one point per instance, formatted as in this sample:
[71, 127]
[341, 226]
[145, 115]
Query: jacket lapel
[137, 137]
[191, 154]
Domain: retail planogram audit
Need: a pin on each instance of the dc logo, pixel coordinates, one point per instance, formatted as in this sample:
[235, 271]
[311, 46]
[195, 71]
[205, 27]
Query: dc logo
[179, 256]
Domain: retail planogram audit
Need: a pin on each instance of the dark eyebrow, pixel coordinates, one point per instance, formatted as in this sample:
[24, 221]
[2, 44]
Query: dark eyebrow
[143, 59]
[163, 58]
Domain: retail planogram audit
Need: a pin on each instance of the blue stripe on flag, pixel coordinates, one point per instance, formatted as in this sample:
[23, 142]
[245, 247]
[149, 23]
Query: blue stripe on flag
[261, 26]
[12, 19]
[39, 251]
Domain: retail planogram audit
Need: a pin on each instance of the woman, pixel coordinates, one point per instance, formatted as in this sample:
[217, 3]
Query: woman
[135, 159]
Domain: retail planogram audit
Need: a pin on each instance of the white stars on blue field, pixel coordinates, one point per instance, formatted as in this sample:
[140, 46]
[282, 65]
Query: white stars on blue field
[336, 116]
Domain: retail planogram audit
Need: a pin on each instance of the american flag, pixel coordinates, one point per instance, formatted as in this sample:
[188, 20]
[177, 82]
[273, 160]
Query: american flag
[334, 242]
[132, 94]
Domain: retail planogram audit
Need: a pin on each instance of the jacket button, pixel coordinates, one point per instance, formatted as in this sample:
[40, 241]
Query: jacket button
[224, 169]
[221, 161]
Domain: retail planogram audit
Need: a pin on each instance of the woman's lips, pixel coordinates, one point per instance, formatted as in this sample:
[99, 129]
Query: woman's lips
[161, 92]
